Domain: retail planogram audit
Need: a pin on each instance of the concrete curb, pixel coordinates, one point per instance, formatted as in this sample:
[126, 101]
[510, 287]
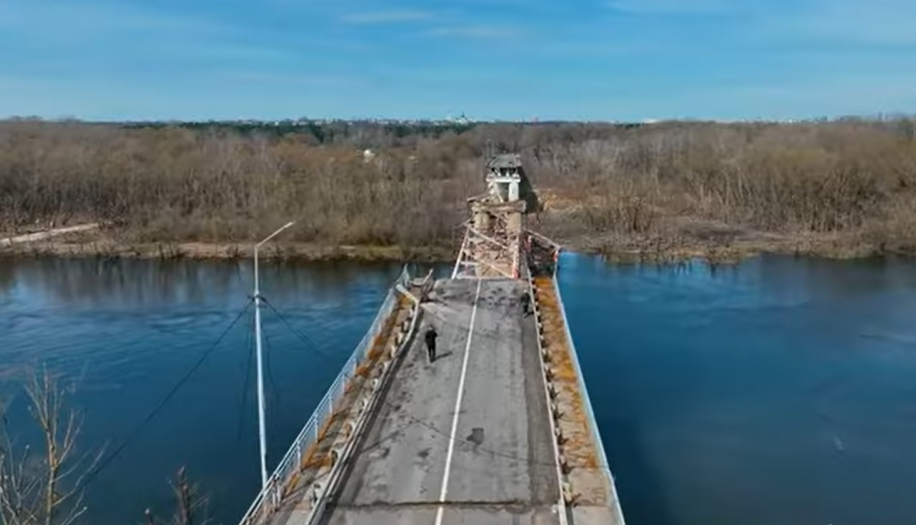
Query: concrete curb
[343, 448]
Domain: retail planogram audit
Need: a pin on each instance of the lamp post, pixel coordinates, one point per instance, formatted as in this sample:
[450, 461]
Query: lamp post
[257, 332]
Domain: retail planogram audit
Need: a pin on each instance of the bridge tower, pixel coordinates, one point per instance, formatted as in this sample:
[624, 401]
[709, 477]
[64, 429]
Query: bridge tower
[493, 246]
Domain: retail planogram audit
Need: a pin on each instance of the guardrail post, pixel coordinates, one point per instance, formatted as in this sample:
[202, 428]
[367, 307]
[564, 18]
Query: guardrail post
[272, 493]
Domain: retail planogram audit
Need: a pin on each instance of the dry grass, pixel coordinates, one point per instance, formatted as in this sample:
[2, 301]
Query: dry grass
[665, 190]
[839, 189]
[174, 185]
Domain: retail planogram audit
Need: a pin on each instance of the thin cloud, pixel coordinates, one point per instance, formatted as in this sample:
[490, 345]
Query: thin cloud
[53, 22]
[97, 15]
[388, 17]
[670, 7]
[475, 32]
[845, 21]
[252, 77]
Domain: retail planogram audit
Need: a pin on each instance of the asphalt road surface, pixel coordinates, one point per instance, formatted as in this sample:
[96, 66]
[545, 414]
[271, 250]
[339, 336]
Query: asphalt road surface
[491, 461]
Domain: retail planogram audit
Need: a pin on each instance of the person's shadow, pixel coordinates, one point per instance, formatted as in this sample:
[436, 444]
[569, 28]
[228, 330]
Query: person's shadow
[441, 356]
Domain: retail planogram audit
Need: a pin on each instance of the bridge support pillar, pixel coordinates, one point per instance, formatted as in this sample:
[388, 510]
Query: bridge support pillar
[514, 223]
[481, 219]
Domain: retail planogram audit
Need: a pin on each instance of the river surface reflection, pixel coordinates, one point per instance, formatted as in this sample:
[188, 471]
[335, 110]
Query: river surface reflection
[776, 391]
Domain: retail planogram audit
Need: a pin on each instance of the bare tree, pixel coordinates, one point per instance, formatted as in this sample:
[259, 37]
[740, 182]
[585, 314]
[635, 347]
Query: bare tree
[190, 504]
[41, 483]
[692, 185]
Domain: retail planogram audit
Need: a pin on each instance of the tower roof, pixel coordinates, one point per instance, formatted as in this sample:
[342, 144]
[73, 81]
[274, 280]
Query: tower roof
[505, 161]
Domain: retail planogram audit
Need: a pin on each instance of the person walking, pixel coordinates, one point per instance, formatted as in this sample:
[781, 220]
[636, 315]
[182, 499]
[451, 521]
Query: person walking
[431, 343]
[526, 303]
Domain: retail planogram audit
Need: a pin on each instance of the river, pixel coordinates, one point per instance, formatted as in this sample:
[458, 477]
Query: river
[777, 391]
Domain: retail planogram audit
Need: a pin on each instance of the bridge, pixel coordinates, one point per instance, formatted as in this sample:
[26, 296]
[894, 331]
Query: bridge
[497, 429]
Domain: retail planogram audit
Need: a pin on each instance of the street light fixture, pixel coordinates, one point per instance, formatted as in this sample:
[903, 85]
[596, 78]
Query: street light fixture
[257, 331]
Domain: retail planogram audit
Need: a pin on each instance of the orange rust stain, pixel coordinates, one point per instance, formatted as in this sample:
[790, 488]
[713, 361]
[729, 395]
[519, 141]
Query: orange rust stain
[580, 449]
[318, 455]
[376, 352]
[323, 430]
[309, 453]
[318, 461]
[364, 369]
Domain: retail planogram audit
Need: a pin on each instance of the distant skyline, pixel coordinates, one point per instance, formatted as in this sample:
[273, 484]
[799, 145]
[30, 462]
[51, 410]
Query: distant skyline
[621, 60]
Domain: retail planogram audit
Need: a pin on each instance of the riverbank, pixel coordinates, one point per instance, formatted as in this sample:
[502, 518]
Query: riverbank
[109, 247]
[662, 251]
[714, 243]
[625, 228]
[663, 192]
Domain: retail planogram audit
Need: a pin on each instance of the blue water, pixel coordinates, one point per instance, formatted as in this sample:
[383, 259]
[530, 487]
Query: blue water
[779, 391]
[129, 332]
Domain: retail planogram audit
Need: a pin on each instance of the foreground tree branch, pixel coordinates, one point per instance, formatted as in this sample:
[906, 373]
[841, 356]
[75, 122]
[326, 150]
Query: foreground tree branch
[42, 482]
[190, 504]
[43, 485]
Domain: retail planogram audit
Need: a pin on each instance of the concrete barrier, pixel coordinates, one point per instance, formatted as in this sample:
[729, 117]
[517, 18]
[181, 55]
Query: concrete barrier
[288, 469]
[344, 452]
[586, 400]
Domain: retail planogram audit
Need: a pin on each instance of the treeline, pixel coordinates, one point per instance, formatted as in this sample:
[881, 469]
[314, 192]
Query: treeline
[366, 134]
[849, 184]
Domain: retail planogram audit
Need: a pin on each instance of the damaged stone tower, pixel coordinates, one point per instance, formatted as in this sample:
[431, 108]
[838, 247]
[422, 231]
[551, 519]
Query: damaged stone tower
[493, 244]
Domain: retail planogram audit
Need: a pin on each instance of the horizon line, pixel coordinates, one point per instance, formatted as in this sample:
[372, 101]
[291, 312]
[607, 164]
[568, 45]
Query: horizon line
[878, 116]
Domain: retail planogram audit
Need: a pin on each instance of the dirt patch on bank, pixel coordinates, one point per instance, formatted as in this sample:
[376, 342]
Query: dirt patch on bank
[686, 239]
[110, 245]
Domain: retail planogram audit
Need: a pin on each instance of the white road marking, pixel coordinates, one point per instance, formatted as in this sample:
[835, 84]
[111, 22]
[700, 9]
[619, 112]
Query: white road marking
[451, 441]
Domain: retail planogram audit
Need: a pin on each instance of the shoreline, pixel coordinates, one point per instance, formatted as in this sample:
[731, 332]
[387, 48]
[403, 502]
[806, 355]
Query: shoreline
[617, 251]
[738, 252]
[289, 251]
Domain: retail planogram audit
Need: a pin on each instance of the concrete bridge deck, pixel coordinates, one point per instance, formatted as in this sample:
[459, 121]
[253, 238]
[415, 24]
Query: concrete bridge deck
[499, 429]
[467, 439]
[491, 460]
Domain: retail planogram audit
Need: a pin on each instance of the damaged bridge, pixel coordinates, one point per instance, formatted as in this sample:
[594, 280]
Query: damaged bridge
[498, 429]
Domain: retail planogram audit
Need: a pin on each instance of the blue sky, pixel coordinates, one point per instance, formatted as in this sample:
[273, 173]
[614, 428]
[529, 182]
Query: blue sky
[492, 59]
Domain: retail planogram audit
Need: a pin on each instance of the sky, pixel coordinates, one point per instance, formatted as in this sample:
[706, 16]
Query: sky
[620, 60]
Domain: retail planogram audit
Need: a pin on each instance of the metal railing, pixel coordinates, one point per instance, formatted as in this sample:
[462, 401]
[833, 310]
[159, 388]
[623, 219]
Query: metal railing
[270, 496]
[596, 435]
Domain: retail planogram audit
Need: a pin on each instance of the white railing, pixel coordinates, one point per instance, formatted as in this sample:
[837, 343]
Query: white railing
[596, 435]
[269, 497]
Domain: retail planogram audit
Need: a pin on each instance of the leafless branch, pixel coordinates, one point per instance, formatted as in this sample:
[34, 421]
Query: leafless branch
[190, 503]
[44, 488]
